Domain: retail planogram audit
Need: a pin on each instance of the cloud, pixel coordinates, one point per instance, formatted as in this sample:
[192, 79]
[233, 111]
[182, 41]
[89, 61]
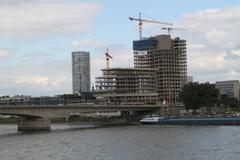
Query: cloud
[14, 2]
[5, 53]
[40, 81]
[233, 55]
[41, 56]
[48, 78]
[213, 43]
[87, 42]
[24, 19]
[41, 73]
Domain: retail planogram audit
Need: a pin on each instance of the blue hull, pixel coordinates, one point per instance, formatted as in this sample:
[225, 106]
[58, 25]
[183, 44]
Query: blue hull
[198, 121]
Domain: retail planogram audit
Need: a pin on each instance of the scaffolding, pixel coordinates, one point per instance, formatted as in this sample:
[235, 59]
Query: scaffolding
[142, 51]
[159, 73]
[127, 85]
[168, 57]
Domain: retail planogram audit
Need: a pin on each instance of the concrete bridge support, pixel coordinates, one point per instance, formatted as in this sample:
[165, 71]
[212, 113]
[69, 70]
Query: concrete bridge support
[34, 124]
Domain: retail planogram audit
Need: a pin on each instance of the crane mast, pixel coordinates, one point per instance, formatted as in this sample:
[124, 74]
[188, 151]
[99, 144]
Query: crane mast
[140, 25]
[108, 57]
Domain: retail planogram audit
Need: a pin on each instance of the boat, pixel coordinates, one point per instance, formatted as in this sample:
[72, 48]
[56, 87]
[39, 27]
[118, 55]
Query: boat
[191, 120]
[151, 120]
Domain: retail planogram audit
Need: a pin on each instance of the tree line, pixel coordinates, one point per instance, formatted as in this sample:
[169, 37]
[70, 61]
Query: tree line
[195, 95]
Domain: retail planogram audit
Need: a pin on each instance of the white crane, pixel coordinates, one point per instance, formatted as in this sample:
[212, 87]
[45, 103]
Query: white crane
[140, 20]
[169, 29]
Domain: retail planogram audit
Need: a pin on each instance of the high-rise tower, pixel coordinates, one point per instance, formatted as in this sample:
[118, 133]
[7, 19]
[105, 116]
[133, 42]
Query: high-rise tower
[168, 57]
[80, 71]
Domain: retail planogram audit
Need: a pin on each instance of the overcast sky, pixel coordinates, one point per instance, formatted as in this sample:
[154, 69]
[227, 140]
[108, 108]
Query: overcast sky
[38, 36]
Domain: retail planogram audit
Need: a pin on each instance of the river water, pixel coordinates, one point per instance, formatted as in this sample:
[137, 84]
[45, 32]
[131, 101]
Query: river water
[133, 142]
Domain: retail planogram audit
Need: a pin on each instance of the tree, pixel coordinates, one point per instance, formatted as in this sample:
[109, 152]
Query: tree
[195, 95]
[190, 96]
[224, 100]
[209, 95]
[231, 102]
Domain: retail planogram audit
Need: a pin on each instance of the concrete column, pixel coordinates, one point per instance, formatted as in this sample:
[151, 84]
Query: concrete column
[36, 124]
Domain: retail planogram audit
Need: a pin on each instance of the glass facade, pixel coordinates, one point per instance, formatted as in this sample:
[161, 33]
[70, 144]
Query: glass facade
[81, 72]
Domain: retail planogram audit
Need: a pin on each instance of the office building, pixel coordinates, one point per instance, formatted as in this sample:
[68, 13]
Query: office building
[230, 88]
[168, 57]
[81, 72]
[159, 73]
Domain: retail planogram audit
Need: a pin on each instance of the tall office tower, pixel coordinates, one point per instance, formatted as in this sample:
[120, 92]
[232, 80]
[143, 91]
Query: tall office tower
[80, 72]
[168, 57]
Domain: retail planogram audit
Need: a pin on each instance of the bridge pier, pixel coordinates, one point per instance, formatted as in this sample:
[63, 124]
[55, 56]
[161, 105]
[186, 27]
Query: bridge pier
[34, 124]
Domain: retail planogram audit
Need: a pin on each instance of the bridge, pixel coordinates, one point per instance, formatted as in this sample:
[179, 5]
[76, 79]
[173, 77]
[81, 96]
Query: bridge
[37, 117]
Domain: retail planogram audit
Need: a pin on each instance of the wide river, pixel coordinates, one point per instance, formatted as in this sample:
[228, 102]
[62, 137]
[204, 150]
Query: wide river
[133, 142]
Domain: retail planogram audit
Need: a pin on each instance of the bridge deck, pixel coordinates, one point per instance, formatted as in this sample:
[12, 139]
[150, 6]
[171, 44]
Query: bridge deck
[53, 111]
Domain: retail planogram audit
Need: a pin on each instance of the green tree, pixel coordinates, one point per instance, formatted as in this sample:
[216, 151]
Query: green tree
[233, 102]
[209, 95]
[230, 102]
[190, 96]
[195, 95]
[224, 100]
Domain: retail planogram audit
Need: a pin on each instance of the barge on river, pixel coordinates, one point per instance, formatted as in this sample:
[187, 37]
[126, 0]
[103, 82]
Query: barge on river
[191, 120]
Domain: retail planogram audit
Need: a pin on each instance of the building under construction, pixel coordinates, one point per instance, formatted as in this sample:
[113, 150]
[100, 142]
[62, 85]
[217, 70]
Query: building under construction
[168, 57]
[159, 73]
[127, 86]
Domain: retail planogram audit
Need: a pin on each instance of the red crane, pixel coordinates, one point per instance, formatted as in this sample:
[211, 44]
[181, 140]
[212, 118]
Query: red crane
[108, 57]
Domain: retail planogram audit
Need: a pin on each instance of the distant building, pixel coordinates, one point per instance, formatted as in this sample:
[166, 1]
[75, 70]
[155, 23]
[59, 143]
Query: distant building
[85, 97]
[189, 79]
[17, 99]
[46, 100]
[168, 57]
[81, 72]
[230, 88]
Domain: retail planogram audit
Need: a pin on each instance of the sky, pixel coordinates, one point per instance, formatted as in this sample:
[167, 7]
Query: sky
[38, 36]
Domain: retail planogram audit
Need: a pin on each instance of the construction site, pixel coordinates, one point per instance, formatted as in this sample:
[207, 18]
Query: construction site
[159, 73]
[127, 85]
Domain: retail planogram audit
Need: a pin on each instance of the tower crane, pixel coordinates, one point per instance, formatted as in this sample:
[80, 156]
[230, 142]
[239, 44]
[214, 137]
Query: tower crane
[169, 29]
[140, 20]
[108, 57]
